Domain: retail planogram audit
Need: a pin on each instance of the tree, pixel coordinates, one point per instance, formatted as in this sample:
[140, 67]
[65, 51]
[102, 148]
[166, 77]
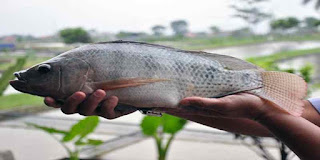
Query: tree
[158, 30]
[311, 22]
[285, 23]
[215, 29]
[317, 6]
[179, 27]
[250, 12]
[73, 35]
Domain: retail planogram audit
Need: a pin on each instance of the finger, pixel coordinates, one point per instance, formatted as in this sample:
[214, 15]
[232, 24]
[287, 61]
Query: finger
[199, 102]
[119, 113]
[88, 107]
[70, 106]
[107, 108]
[51, 102]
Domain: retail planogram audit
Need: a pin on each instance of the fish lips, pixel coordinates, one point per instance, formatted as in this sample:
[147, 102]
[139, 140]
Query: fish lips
[20, 85]
[23, 86]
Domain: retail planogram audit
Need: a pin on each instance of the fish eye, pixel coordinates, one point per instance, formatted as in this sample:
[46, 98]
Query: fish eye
[44, 68]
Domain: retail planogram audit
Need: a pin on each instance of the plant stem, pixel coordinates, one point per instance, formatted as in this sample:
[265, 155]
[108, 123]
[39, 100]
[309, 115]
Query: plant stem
[168, 145]
[159, 146]
[62, 144]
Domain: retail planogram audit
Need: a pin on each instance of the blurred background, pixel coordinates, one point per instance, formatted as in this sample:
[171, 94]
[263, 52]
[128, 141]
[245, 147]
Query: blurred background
[276, 35]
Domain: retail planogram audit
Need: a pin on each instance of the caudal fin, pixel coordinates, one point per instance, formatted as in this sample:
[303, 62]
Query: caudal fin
[284, 89]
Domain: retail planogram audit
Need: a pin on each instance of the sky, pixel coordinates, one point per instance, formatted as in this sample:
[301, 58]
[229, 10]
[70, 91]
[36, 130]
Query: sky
[45, 17]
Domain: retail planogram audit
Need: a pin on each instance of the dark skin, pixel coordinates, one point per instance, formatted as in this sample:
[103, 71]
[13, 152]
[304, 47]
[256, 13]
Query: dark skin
[242, 113]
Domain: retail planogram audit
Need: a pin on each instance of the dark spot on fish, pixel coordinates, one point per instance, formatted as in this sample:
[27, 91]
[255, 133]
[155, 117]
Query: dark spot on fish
[211, 68]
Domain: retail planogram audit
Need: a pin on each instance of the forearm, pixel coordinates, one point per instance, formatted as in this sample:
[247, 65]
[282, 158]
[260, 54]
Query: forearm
[299, 134]
[247, 126]
[240, 126]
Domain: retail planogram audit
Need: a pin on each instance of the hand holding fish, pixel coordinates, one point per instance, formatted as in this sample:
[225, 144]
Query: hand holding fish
[242, 105]
[95, 104]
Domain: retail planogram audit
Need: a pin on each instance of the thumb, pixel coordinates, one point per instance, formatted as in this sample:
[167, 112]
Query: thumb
[199, 102]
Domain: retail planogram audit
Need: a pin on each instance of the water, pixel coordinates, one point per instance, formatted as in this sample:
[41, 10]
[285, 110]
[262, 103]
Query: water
[298, 62]
[264, 48]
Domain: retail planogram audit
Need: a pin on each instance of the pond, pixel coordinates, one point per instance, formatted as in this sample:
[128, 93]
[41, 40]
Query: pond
[264, 48]
[298, 62]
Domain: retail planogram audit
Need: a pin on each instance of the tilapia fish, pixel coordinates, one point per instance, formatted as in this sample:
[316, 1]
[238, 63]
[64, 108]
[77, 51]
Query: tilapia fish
[146, 76]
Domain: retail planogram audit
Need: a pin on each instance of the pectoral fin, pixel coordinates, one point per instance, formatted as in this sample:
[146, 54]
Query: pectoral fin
[124, 83]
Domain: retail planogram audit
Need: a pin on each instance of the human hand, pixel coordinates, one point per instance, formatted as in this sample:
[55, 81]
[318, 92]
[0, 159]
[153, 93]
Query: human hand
[88, 106]
[242, 105]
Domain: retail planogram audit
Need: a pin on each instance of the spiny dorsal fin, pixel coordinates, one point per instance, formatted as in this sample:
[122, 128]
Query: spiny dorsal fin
[228, 62]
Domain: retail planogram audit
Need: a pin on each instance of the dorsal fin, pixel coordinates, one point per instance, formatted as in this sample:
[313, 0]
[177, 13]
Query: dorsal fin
[228, 62]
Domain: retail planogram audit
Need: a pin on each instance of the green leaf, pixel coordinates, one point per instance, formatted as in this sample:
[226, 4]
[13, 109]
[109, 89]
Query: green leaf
[150, 124]
[48, 129]
[93, 142]
[172, 124]
[82, 128]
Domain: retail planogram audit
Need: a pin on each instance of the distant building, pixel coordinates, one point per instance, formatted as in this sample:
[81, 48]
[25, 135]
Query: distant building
[7, 46]
[9, 39]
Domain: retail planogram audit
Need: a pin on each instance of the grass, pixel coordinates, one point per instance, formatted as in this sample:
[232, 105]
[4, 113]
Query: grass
[208, 43]
[10, 60]
[18, 100]
[200, 43]
[268, 61]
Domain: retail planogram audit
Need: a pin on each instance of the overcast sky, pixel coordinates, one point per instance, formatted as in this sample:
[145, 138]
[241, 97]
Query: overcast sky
[45, 17]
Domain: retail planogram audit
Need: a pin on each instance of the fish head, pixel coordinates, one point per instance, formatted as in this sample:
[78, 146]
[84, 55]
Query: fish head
[58, 78]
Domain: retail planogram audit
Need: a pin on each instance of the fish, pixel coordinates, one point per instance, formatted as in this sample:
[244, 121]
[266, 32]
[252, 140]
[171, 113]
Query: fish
[145, 75]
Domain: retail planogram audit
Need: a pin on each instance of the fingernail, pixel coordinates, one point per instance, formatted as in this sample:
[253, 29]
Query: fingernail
[98, 94]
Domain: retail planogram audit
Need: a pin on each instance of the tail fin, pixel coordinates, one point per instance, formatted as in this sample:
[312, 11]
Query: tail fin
[284, 89]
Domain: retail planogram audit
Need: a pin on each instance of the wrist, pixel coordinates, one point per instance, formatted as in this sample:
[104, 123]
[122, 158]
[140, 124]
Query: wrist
[268, 112]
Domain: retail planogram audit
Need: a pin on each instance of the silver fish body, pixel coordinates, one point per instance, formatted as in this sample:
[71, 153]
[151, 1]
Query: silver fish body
[185, 74]
[146, 75]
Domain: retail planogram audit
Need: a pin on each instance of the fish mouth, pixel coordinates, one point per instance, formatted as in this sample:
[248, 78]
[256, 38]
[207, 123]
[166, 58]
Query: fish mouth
[20, 85]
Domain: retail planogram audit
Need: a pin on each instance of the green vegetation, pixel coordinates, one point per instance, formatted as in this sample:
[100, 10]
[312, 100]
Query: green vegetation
[160, 128]
[206, 43]
[18, 100]
[74, 35]
[200, 43]
[78, 135]
[268, 62]
[9, 60]
[284, 24]
[8, 74]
